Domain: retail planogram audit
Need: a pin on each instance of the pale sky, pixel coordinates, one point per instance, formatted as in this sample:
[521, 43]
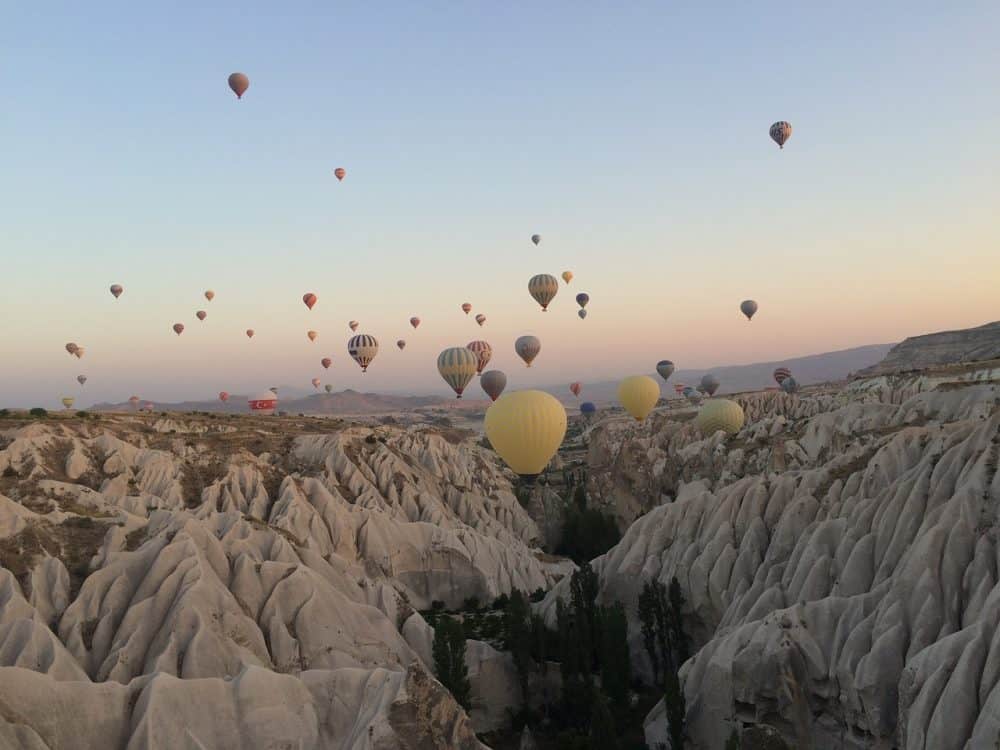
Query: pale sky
[633, 139]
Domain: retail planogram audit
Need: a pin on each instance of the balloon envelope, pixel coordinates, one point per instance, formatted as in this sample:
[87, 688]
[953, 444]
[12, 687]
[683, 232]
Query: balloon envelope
[81, 379]
[68, 401]
[466, 307]
[353, 325]
[748, 307]
[480, 319]
[527, 348]
[781, 374]
[587, 408]
[311, 335]
[328, 388]
[239, 83]
[363, 349]
[326, 362]
[457, 366]
[340, 173]
[78, 352]
[209, 295]
[567, 276]
[790, 385]
[543, 288]
[309, 299]
[116, 290]
[493, 382]
[665, 368]
[223, 396]
[178, 328]
[780, 132]
[414, 321]
[71, 348]
[536, 238]
[249, 333]
[638, 394]
[201, 315]
[483, 352]
[710, 383]
[575, 388]
[581, 314]
[401, 344]
[582, 299]
[719, 414]
[526, 429]
[315, 382]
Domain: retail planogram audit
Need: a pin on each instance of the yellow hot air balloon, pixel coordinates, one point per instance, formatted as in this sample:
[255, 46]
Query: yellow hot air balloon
[638, 394]
[720, 414]
[567, 276]
[68, 402]
[526, 429]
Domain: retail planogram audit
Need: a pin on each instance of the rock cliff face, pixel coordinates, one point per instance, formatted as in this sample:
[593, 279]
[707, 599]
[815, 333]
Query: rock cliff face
[945, 348]
[220, 583]
[839, 558]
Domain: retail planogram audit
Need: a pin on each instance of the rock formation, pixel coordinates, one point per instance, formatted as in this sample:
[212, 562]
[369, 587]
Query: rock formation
[944, 348]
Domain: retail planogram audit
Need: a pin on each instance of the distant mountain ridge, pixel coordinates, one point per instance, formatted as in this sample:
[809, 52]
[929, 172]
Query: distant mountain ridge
[942, 348]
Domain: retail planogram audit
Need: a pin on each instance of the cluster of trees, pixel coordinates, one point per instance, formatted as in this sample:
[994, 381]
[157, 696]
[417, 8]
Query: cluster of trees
[668, 648]
[586, 532]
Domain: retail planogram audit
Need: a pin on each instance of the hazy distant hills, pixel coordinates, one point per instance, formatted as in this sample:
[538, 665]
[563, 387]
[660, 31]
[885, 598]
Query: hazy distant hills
[814, 368]
[943, 348]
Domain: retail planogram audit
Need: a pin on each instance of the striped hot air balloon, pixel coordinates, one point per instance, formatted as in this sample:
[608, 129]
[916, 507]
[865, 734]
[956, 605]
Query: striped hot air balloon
[780, 132]
[457, 365]
[363, 349]
[543, 288]
[483, 352]
[781, 374]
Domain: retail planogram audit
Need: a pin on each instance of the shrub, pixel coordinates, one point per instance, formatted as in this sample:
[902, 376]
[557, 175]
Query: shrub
[449, 659]
[437, 605]
[38, 412]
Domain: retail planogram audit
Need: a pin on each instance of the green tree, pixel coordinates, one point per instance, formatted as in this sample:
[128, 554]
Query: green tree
[449, 658]
[676, 708]
[519, 636]
[602, 725]
[616, 673]
[648, 624]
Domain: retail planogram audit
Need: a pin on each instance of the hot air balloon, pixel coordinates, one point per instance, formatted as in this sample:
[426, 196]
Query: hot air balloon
[78, 352]
[679, 388]
[575, 388]
[223, 396]
[401, 344]
[249, 333]
[309, 299]
[148, 406]
[567, 276]
[692, 394]
[791, 385]
[81, 379]
[480, 318]
[780, 132]
[311, 335]
[581, 314]
[536, 238]
[326, 362]
[133, 402]
[201, 315]
[665, 368]
[239, 83]
[719, 414]
[178, 328]
[116, 290]
[587, 409]
[353, 325]
[466, 307]
[414, 321]
[71, 348]
[315, 382]
[710, 383]
[781, 374]
[363, 349]
[493, 382]
[340, 173]
[748, 307]
[263, 404]
[638, 394]
[457, 365]
[526, 429]
[68, 402]
[209, 295]
[483, 352]
[527, 348]
[543, 288]
[328, 388]
[582, 299]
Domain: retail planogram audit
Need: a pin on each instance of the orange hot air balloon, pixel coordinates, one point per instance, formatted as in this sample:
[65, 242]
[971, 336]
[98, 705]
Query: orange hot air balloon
[414, 321]
[312, 335]
[223, 396]
[78, 352]
[315, 382]
[340, 173]
[209, 295]
[239, 83]
[310, 299]
[249, 333]
[575, 388]
[466, 308]
[178, 328]
[326, 362]
[201, 315]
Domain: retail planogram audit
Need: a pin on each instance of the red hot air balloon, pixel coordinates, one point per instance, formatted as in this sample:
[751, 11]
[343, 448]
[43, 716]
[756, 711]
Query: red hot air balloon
[178, 328]
[223, 396]
[340, 173]
[239, 83]
[575, 388]
[414, 321]
[315, 382]
[209, 295]
[781, 374]
[466, 307]
[326, 362]
[310, 299]
[263, 404]
[201, 315]
[249, 333]
[401, 344]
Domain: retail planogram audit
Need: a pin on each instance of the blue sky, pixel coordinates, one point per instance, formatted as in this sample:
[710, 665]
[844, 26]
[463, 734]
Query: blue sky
[633, 139]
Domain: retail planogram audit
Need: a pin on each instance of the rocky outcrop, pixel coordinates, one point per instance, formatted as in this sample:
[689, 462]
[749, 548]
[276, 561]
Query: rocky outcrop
[944, 348]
